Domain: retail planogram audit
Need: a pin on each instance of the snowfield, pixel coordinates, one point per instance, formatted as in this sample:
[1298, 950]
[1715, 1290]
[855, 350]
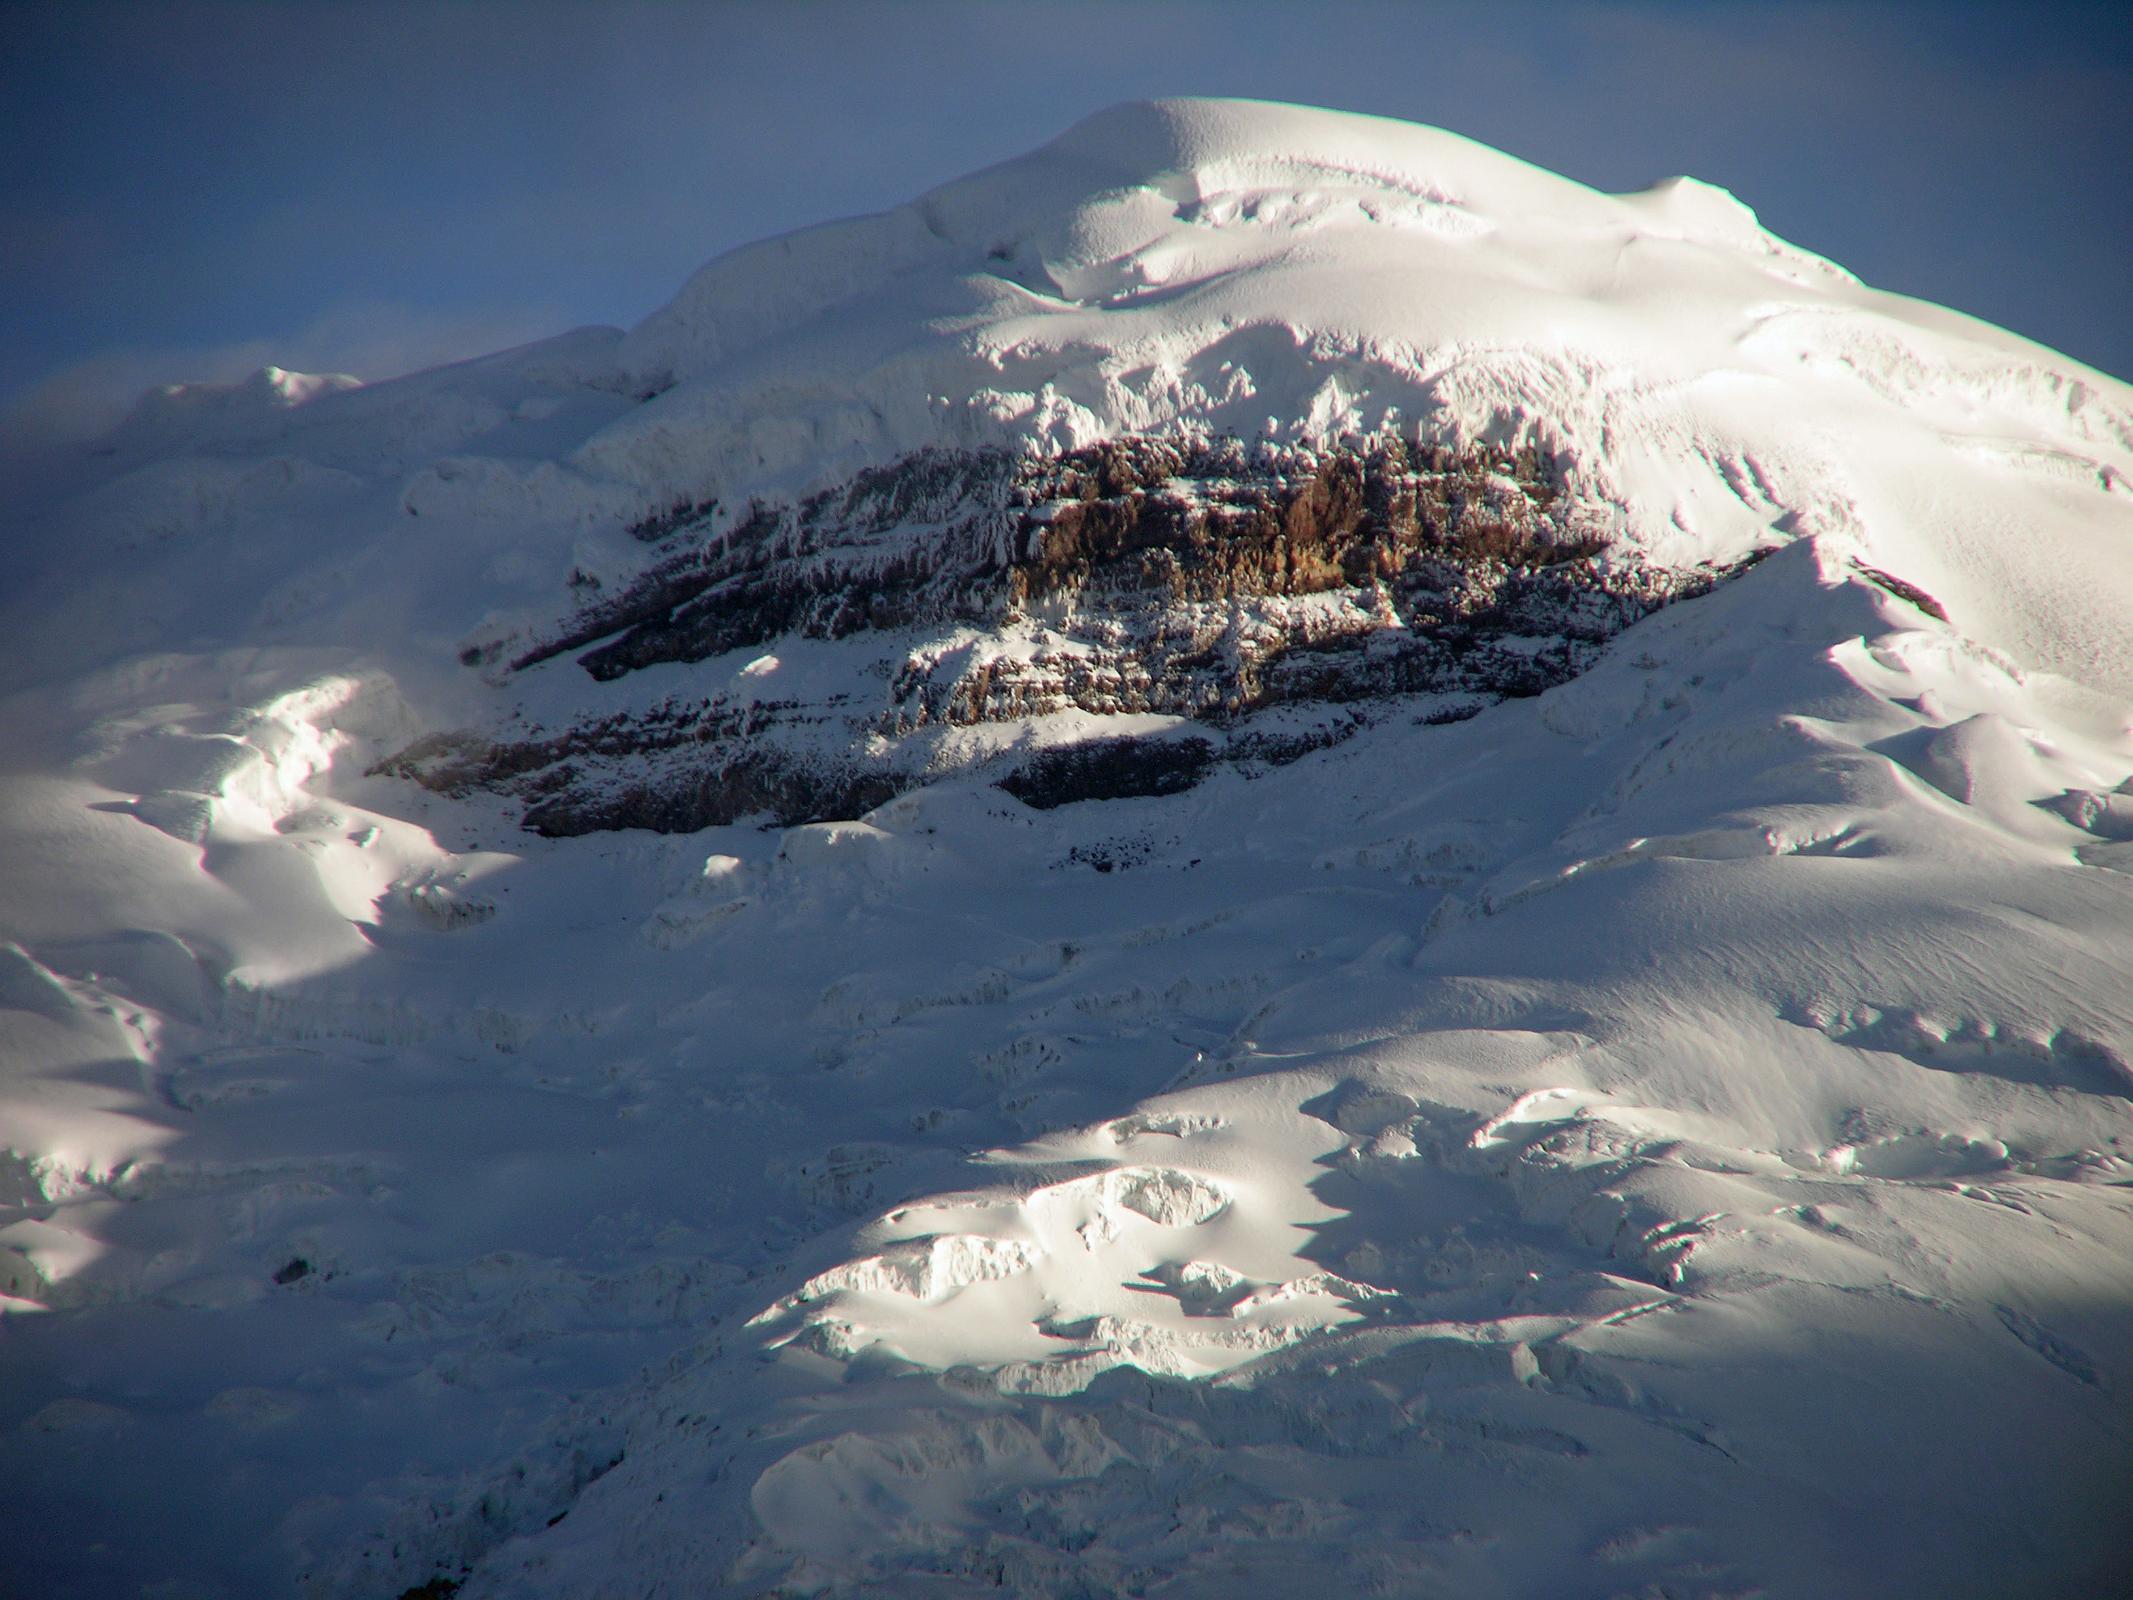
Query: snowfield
[1669, 1134]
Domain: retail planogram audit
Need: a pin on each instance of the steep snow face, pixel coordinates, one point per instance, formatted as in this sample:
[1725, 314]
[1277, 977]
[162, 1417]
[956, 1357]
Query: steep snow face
[1666, 1132]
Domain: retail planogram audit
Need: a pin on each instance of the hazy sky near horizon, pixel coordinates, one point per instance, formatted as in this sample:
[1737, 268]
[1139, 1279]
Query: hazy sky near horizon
[195, 189]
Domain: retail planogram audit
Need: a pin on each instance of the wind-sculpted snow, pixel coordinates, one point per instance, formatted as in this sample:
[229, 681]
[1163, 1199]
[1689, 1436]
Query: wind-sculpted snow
[1520, 1089]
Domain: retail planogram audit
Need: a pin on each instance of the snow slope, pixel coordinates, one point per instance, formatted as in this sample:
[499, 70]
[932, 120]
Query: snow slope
[1669, 1134]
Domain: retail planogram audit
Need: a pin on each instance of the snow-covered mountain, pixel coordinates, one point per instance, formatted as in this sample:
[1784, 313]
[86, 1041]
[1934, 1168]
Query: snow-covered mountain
[1259, 856]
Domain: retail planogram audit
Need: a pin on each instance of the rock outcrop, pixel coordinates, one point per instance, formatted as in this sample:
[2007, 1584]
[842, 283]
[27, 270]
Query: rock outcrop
[1202, 581]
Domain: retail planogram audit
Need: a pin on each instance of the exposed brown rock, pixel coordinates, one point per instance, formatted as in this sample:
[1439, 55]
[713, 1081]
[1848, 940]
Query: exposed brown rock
[1203, 579]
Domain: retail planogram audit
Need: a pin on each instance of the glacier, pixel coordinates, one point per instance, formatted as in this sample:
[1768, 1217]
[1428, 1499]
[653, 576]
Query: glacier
[1657, 1121]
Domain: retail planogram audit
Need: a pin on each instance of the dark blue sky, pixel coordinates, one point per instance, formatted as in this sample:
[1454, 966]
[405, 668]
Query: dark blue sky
[192, 189]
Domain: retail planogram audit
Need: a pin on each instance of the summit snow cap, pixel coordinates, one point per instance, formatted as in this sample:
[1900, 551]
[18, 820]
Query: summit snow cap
[1128, 200]
[1224, 267]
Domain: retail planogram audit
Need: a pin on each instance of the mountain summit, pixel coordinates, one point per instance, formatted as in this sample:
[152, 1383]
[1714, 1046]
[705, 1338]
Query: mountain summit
[1260, 852]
